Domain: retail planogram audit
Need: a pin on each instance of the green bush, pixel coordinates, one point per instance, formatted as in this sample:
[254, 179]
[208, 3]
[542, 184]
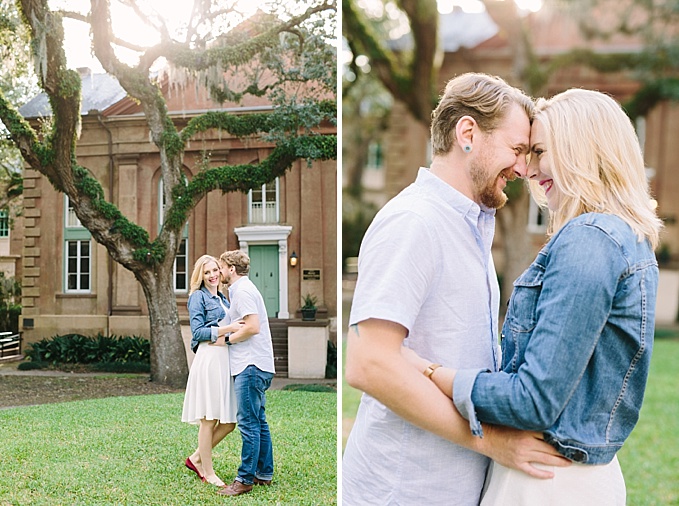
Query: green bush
[79, 349]
[29, 366]
[331, 365]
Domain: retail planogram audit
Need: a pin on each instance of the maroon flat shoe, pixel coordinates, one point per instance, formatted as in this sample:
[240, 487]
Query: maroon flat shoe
[193, 468]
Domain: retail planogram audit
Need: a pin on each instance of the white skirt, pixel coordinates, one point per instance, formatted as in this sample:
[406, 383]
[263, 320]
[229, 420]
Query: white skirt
[210, 392]
[577, 484]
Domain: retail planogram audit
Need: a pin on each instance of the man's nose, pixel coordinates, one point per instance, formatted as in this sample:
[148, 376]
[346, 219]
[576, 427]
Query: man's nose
[521, 167]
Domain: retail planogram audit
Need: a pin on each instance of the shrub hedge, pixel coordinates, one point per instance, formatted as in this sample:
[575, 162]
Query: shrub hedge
[79, 349]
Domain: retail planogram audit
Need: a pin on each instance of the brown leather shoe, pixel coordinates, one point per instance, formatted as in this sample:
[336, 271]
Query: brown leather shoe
[236, 488]
[262, 482]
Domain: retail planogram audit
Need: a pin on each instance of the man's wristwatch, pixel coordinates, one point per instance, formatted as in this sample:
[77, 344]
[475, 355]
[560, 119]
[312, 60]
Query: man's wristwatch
[226, 339]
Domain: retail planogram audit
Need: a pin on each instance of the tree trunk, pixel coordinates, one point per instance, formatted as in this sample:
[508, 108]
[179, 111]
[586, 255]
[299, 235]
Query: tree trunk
[168, 354]
[517, 252]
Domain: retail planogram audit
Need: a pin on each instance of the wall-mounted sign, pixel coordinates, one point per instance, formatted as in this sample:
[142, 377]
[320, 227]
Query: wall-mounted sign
[311, 274]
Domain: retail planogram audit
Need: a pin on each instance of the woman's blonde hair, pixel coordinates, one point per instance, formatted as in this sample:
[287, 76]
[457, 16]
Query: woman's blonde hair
[596, 162]
[198, 270]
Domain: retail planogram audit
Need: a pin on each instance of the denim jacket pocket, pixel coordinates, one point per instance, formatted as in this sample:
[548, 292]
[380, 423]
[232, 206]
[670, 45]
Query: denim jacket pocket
[522, 312]
[213, 311]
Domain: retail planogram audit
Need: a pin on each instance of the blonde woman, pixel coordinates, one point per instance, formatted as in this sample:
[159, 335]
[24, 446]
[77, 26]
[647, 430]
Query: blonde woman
[210, 401]
[577, 338]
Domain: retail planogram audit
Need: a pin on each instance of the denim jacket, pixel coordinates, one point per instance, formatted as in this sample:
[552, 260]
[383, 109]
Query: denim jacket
[576, 343]
[205, 312]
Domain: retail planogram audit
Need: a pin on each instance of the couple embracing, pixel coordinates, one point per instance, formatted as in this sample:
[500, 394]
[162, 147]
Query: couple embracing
[231, 372]
[556, 403]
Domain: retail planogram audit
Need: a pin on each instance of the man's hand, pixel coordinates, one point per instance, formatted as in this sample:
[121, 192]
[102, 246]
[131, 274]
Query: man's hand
[520, 449]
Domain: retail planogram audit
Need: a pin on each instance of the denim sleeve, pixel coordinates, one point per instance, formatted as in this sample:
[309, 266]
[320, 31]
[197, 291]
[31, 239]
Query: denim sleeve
[462, 397]
[199, 329]
[576, 298]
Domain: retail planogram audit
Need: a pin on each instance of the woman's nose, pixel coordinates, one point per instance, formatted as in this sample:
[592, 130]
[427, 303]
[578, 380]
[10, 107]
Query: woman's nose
[532, 168]
[521, 167]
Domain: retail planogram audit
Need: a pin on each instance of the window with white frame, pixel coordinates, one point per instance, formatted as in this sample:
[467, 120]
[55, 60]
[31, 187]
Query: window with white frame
[263, 203]
[375, 156]
[180, 273]
[4, 223]
[77, 253]
[538, 217]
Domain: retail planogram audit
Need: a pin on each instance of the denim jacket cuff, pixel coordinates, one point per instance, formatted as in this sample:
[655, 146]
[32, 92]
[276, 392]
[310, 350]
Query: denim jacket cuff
[462, 397]
[214, 334]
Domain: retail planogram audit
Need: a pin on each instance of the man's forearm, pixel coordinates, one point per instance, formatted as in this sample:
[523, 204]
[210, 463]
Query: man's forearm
[375, 365]
[241, 335]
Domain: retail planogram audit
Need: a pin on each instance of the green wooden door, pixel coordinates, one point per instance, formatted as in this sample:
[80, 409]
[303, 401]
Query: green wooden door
[264, 274]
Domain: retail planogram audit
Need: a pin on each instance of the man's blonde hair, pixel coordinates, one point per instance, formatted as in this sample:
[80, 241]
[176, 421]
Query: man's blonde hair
[237, 259]
[596, 162]
[485, 98]
[198, 270]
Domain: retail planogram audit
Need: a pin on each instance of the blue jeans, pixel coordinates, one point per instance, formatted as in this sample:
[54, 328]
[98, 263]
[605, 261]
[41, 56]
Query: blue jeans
[257, 452]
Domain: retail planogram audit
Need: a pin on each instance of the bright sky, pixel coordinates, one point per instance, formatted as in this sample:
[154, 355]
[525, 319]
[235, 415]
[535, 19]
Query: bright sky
[127, 26]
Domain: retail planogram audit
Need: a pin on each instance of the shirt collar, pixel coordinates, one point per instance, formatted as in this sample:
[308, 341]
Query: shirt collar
[461, 203]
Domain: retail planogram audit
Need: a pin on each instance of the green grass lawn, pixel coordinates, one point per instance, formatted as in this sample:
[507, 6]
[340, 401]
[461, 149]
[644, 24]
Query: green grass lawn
[650, 457]
[131, 451]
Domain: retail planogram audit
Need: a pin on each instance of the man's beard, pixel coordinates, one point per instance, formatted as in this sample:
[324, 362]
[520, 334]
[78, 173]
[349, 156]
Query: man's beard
[485, 187]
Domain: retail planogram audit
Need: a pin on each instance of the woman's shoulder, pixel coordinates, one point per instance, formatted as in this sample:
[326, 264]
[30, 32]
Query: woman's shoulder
[197, 296]
[605, 225]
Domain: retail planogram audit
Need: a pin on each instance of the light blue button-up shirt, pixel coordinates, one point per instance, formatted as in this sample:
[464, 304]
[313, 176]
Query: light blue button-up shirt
[424, 263]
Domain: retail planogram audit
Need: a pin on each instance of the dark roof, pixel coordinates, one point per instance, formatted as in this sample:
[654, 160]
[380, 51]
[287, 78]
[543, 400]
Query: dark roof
[99, 91]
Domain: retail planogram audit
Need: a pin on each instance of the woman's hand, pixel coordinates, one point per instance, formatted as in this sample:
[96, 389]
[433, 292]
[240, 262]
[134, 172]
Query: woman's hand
[221, 341]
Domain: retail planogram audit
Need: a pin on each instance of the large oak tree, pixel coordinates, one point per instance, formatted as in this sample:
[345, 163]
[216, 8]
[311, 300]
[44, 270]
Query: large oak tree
[293, 47]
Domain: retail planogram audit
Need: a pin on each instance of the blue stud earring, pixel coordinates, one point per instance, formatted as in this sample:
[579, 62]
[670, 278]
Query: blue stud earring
[467, 148]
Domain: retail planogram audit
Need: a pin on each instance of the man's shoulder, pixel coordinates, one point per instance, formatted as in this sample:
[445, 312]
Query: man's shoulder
[247, 292]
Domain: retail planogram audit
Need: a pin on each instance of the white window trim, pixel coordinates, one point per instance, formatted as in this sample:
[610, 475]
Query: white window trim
[277, 206]
[77, 234]
[4, 216]
[78, 272]
[185, 237]
[533, 213]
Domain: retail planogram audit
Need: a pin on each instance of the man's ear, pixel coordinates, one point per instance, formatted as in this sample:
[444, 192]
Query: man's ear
[464, 131]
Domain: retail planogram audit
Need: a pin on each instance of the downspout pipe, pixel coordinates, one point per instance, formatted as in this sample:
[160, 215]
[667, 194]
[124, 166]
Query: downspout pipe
[111, 165]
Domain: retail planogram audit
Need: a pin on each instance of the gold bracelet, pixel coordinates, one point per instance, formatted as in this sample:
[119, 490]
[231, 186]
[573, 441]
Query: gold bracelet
[430, 370]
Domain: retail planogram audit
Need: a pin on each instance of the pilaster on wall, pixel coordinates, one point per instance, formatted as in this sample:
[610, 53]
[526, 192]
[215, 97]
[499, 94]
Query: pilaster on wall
[126, 288]
[31, 249]
[312, 245]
